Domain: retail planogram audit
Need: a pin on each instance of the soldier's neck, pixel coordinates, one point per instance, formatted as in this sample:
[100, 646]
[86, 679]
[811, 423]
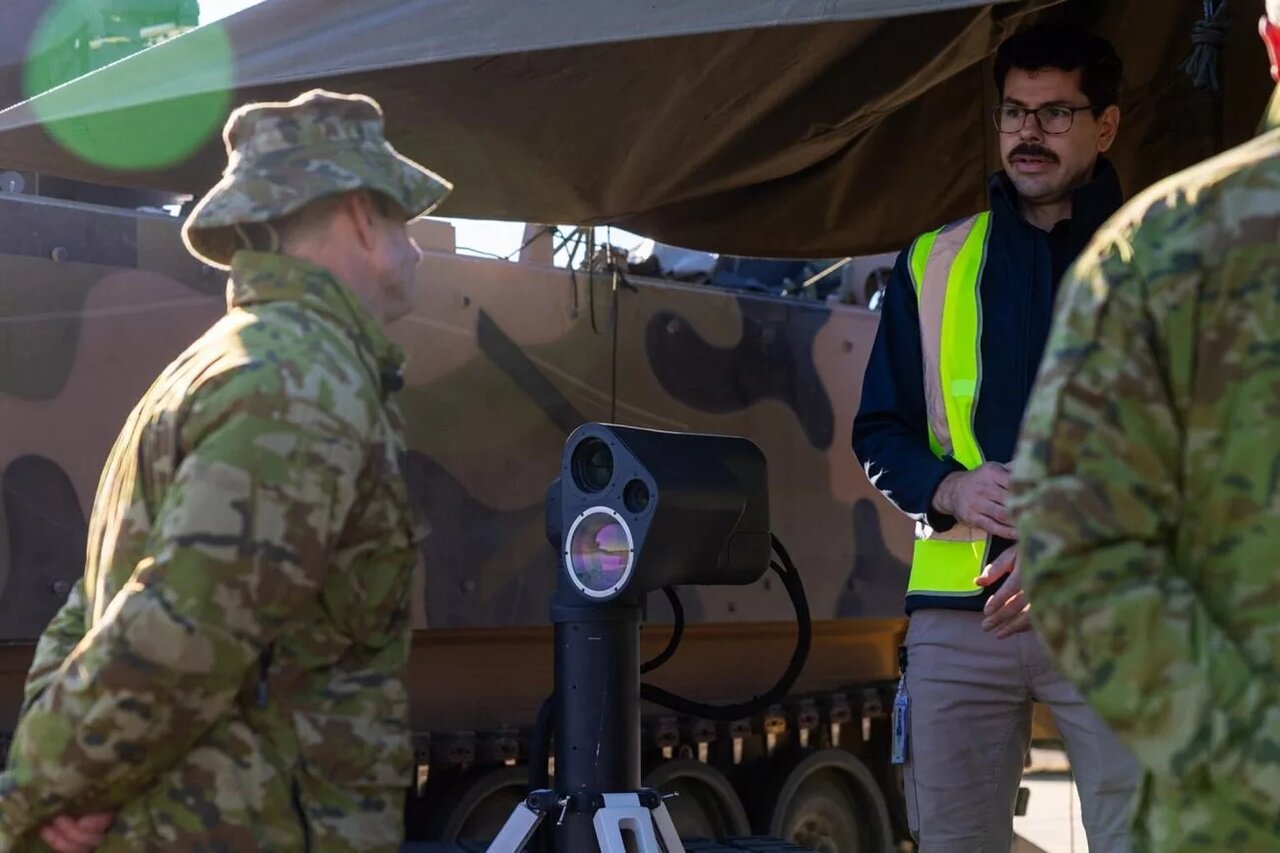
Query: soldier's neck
[341, 260]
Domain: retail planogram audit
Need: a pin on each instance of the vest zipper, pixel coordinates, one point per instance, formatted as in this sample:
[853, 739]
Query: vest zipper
[1030, 295]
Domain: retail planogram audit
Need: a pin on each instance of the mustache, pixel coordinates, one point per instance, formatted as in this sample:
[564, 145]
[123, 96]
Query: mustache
[1028, 149]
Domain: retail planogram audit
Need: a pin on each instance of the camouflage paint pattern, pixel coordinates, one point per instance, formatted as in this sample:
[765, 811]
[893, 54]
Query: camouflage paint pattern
[1146, 496]
[249, 564]
[503, 361]
[282, 156]
[82, 337]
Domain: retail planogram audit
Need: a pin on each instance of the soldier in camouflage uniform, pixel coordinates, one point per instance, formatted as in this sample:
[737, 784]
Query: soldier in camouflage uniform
[229, 673]
[1146, 493]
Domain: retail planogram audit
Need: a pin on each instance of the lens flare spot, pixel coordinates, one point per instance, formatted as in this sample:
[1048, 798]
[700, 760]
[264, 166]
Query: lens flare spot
[152, 110]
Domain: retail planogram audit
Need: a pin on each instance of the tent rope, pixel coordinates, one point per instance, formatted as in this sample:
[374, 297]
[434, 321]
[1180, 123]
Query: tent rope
[1207, 40]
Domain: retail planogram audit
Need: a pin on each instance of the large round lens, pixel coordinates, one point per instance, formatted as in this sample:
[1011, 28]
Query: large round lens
[592, 464]
[600, 553]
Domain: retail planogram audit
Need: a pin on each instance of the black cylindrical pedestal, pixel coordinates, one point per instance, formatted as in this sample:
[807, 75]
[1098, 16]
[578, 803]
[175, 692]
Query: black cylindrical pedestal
[597, 748]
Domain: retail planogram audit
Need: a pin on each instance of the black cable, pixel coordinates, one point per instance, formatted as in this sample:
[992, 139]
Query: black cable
[677, 633]
[804, 638]
[786, 560]
[577, 236]
[591, 293]
[565, 239]
[613, 343]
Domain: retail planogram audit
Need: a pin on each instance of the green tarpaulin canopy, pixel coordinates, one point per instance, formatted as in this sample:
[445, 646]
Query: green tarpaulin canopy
[771, 127]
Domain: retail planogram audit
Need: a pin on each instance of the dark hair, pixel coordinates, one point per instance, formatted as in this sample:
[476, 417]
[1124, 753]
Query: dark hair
[1055, 46]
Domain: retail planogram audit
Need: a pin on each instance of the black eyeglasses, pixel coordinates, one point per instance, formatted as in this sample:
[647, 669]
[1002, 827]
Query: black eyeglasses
[1053, 118]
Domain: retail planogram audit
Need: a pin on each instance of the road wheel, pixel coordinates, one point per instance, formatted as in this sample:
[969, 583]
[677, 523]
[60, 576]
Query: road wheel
[707, 806]
[478, 803]
[830, 802]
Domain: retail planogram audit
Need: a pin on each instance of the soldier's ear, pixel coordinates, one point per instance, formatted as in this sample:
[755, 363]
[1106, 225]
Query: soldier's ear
[358, 207]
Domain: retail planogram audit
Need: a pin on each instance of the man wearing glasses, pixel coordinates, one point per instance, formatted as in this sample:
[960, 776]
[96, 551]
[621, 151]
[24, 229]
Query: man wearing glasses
[963, 327]
[1146, 492]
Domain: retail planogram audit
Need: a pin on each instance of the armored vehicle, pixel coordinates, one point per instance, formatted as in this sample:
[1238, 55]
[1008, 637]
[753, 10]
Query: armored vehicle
[795, 130]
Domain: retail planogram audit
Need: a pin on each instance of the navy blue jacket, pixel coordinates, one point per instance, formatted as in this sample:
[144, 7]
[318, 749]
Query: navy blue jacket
[1018, 289]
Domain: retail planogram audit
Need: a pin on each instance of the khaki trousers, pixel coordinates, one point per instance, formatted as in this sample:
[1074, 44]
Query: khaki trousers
[970, 728]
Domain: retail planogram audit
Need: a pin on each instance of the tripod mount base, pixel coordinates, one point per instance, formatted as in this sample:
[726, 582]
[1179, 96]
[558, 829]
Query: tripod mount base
[730, 845]
[641, 813]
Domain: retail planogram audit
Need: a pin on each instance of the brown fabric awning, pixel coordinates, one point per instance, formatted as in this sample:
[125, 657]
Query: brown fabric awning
[761, 127]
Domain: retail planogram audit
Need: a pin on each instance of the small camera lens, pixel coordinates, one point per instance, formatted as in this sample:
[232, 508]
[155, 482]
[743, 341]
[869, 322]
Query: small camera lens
[636, 496]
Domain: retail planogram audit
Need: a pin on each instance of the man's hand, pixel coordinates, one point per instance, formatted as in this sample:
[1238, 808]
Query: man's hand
[1008, 611]
[77, 834]
[976, 498]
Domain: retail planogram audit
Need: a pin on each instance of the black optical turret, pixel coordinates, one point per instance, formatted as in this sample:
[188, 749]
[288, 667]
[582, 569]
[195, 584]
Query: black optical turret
[642, 509]
[634, 511]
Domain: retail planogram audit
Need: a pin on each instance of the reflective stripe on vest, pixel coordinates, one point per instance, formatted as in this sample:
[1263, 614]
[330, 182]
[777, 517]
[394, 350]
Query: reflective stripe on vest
[946, 267]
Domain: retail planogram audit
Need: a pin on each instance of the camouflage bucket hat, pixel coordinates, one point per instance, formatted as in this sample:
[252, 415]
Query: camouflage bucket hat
[282, 156]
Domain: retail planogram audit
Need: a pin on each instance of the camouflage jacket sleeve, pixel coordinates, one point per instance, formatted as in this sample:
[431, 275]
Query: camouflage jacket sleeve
[241, 534]
[60, 637]
[1097, 499]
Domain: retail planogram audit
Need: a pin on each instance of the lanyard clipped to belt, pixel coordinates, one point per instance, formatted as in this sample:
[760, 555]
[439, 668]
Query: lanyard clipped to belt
[901, 711]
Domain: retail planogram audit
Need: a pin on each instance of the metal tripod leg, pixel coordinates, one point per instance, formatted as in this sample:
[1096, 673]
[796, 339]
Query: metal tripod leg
[647, 819]
[522, 824]
[667, 828]
[517, 831]
[625, 811]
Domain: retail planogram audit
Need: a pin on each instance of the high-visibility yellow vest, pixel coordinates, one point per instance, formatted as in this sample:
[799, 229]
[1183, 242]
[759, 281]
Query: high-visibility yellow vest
[946, 268]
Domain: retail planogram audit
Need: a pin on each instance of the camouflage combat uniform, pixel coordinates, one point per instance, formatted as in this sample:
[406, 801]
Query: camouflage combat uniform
[229, 673]
[1147, 500]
